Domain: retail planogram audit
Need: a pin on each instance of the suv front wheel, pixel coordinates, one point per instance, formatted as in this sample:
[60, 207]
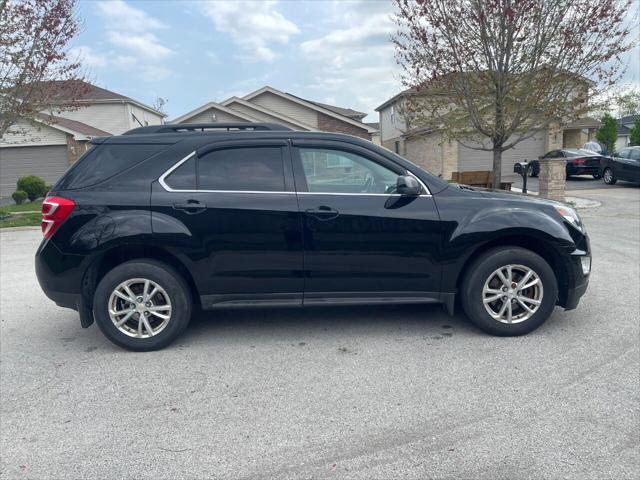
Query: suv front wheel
[142, 305]
[509, 291]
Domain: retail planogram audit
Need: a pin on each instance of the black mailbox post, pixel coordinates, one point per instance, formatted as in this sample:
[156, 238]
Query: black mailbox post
[522, 169]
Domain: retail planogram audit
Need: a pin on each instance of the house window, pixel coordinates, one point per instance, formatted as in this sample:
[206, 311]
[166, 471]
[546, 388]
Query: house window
[393, 114]
[396, 147]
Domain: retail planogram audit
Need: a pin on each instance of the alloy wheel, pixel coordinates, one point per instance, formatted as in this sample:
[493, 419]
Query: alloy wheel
[512, 293]
[608, 176]
[139, 308]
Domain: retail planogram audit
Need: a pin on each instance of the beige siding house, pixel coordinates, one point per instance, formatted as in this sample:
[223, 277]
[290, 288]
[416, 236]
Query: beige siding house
[268, 104]
[443, 157]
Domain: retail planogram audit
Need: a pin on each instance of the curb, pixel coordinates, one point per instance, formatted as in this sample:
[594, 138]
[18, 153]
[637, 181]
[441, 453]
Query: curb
[18, 229]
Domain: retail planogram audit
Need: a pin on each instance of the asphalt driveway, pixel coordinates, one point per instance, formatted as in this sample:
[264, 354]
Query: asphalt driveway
[375, 392]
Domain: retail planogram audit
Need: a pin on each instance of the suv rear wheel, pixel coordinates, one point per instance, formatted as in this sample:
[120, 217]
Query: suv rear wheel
[509, 291]
[142, 305]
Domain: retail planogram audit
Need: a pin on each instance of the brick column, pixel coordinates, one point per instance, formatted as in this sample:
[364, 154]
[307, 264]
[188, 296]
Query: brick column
[75, 149]
[552, 178]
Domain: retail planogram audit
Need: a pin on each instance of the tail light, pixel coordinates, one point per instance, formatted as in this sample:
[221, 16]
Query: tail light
[579, 161]
[55, 210]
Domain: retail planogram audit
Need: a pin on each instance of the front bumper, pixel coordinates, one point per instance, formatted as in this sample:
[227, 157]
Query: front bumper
[578, 281]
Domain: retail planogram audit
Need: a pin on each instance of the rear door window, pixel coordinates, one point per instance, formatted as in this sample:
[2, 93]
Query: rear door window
[242, 169]
[183, 177]
[105, 161]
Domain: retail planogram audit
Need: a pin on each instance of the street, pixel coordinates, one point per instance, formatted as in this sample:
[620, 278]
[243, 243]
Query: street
[349, 392]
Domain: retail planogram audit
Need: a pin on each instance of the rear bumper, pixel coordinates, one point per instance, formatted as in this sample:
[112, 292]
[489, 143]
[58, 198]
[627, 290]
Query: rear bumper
[59, 275]
[583, 170]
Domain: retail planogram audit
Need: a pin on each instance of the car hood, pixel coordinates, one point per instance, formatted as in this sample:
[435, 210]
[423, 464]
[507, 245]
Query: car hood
[505, 195]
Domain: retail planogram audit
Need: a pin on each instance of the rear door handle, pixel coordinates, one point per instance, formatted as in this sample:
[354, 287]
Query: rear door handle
[191, 207]
[323, 213]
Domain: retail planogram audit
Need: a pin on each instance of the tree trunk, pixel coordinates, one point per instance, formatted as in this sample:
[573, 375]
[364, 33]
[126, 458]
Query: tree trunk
[496, 177]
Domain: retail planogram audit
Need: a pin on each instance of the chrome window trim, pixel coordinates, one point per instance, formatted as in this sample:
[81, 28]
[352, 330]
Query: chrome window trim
[163, 183]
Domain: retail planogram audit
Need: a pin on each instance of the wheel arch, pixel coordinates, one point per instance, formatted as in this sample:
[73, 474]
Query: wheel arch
[124, 253]
[547, 251]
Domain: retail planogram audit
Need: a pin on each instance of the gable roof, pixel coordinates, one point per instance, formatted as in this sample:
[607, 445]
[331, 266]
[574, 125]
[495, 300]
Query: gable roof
[266, 111]
[73, 127]
[627, 119]
[308, 104]
[347, 112]
[217, 106]
[94, 94]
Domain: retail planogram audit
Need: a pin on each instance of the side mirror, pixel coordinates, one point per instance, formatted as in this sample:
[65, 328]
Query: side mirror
[408, 185]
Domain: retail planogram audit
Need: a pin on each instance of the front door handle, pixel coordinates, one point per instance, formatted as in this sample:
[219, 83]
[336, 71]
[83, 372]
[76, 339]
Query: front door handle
[323, 213]
[191, 207]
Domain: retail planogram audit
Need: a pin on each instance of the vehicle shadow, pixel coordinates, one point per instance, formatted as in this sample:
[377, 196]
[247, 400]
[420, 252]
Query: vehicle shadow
[293, 323]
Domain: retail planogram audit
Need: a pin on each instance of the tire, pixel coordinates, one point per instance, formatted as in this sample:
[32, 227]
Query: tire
[483, 269]
[172, 305]
[608, 177]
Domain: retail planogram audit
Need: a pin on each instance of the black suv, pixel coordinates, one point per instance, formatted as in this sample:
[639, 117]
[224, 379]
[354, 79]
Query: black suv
[149, 224]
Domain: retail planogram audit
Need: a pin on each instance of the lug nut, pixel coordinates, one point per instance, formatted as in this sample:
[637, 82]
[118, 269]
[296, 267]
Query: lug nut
[148, 304]
[146, 314]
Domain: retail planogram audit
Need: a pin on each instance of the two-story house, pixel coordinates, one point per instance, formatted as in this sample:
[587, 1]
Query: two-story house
[268, 104]
[441, 157]
[47, 145]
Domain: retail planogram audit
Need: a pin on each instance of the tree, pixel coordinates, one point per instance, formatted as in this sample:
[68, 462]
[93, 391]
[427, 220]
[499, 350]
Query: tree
[36, 72]
[608, 133]
[489, 72]
[634, 134]
[160, 104]
[628, 103]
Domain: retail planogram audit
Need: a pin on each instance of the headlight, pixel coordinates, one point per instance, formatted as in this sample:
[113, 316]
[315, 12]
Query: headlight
[571, 216]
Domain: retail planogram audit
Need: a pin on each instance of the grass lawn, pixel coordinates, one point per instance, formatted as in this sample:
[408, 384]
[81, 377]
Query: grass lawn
[24, 220]
[25, 207]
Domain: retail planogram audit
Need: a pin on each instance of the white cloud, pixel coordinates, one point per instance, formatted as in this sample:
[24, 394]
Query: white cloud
[128, 18]
[137, 49]
[353, 60]
[87, 57]
[252, 25]
[145, 45]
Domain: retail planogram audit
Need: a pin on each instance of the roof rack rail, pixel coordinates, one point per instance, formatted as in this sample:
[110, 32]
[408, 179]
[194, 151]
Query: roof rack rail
[203, 127]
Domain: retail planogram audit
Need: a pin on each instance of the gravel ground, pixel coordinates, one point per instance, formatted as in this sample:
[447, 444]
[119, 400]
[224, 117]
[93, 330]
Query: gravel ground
[367, 392]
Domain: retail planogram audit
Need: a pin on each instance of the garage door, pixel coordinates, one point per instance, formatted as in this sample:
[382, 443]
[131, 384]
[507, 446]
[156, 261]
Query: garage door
[529, 149]
[48, 163]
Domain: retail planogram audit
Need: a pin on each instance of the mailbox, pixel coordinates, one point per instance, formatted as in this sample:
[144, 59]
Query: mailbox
[522, 169]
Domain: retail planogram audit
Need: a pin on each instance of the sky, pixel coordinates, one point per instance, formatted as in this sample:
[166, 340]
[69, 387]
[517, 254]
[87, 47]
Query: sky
[194, 52]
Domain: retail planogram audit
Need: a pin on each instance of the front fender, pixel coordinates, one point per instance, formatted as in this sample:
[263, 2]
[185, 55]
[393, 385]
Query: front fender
[501, 225]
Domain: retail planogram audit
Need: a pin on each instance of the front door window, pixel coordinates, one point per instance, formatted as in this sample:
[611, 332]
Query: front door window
[335, 171]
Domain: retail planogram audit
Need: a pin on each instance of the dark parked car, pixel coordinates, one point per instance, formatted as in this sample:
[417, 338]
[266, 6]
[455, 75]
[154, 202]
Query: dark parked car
[624, 165]
[579, 161]
[150, 223]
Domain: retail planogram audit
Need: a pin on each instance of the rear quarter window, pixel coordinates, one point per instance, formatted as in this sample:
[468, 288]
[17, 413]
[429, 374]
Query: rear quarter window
[104, 161]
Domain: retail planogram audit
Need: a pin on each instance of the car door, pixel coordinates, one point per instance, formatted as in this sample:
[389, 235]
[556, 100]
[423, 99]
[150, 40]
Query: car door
[231, 210]
[632, 166]
[362, 242]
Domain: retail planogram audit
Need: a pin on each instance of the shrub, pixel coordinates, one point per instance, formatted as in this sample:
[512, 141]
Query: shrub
[33, 186]
[19, 196]
[4, 213]
[608, 133]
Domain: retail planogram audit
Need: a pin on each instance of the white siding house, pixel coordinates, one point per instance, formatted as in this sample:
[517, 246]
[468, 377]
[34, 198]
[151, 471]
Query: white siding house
[48, 145]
